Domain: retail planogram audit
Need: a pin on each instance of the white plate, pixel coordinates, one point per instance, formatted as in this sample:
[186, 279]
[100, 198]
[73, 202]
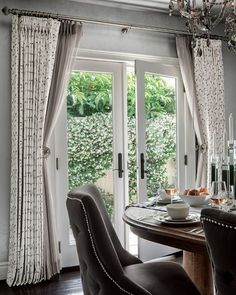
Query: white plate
[166, 219]
[188, 218]
[168, 201]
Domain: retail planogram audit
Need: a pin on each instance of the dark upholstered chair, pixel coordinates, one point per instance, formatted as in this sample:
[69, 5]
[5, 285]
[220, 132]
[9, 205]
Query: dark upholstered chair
[220, 232]
[106, 267]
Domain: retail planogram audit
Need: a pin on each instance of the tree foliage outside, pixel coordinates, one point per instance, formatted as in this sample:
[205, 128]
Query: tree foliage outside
[159, 98]
[89, 106]
[90, 93]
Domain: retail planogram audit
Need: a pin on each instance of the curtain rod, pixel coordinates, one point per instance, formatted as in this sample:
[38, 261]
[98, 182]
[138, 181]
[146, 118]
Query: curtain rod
[125, 27]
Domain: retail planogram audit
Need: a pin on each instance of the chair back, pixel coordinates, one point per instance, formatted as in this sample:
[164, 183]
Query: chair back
[220, 232]
[100, 252]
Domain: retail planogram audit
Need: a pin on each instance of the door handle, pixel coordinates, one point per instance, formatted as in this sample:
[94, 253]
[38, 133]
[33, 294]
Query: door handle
[142, 162]
[120, 169]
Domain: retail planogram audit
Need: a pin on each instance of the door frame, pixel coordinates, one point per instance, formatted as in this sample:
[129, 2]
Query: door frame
[61, 188]
[146, 249]
[120, 185]
[142, 67]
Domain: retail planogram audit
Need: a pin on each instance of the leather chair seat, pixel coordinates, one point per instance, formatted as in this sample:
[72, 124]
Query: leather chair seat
[106, 267]
[169, 277]
[220, 232]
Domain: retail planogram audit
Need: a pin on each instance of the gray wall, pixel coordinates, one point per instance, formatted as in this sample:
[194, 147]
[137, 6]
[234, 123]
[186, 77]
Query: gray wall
[94, 37]
[229, 59]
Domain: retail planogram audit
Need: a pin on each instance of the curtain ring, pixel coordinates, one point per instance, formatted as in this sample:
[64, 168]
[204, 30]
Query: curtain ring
[46, 152]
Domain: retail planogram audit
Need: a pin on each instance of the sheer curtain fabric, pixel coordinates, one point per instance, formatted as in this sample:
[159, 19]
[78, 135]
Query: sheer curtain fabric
[68, 43]
[187, 72]
[209, 84]
[34, 43]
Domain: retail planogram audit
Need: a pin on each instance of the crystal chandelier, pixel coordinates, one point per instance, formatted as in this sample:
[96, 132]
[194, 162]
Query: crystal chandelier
[204, 15]
[230, 30]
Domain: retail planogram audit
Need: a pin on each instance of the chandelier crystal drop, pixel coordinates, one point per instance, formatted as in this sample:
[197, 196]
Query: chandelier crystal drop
[230, 30]
[202, 16]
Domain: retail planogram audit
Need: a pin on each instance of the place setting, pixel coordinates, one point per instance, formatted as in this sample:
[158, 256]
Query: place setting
[177, 214]
[173, 208]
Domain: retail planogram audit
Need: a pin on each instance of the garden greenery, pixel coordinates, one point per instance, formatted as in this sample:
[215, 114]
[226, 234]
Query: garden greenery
[89, 106]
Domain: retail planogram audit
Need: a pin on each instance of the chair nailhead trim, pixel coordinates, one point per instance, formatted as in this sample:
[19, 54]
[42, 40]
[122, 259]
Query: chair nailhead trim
[95, 252]
[216, 222]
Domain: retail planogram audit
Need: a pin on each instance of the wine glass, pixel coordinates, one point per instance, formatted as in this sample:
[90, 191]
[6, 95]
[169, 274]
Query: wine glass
[172, 192]
[229, 200]
[218, 194]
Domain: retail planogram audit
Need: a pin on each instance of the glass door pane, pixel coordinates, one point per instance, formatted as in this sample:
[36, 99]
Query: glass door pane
[90, 143]
[160, 116]
[160, 133]
[160, 140]
[158, 137]
[90, 133]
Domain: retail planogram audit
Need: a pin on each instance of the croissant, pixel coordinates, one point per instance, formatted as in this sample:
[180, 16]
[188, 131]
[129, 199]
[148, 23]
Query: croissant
[193, 192]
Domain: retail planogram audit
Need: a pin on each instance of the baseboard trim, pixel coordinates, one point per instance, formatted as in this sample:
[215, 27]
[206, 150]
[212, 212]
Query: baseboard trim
[4, 266]
[70, 269]
[3, 270]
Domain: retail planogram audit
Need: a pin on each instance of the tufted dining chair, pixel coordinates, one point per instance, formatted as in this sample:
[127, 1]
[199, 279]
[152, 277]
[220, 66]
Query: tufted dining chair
[106, 267]
[220, 231]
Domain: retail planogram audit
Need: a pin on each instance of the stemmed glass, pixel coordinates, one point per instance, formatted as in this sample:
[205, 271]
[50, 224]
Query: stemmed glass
[229, 200]
[218, 194]
[173, 194]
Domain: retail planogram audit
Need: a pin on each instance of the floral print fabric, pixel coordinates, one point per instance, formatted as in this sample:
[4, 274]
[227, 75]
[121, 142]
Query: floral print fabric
[33, 49]
[209, 83]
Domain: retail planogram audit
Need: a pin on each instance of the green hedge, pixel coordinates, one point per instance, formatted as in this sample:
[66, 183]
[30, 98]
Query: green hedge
[90, 134]
[90, 149]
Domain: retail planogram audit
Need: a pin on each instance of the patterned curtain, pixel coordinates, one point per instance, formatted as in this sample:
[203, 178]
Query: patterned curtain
[34, 43]
[209, 85]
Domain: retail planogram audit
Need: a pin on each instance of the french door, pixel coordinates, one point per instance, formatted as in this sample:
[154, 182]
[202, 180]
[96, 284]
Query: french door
[146, 115]
[165, 123]
[128, 151]
[93, 121]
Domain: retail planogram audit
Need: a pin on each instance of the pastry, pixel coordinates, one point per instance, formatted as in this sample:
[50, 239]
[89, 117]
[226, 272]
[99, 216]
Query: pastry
[193, 192]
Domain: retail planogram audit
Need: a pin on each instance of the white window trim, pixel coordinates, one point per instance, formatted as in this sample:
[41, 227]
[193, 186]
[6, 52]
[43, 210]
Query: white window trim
[128, 60]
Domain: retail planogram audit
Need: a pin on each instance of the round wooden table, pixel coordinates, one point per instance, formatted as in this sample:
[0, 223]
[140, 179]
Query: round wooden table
[195, 257]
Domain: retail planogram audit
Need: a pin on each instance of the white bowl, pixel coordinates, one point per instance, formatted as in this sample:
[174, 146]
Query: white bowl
[196, 200]
[178, 211]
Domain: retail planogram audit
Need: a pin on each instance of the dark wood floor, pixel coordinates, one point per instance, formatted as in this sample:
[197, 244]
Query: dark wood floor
[68, 283]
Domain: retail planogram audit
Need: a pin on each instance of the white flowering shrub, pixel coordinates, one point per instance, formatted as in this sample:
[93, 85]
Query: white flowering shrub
[161, 147]
[90, 149]
[90, 134]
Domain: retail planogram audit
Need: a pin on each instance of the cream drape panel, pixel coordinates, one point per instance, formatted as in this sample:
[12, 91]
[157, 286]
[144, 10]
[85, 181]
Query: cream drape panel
[187, 72]
[68, 43]
[34, 43]
[209, 84]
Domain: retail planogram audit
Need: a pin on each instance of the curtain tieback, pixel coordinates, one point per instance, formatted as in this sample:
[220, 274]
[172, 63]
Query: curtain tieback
[46, 152]
[202, 148]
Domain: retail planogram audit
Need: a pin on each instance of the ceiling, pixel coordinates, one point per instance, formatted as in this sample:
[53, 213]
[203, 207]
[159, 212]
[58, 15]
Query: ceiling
[158, 5]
